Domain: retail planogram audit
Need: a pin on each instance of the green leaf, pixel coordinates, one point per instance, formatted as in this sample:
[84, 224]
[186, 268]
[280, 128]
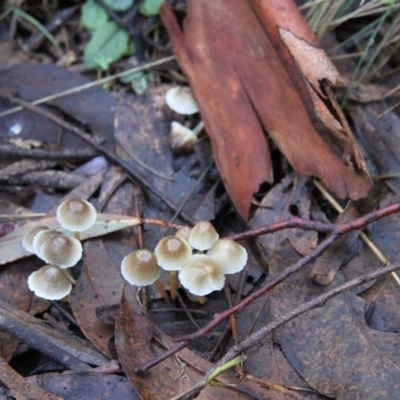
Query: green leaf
[119, 5]
[11, 244]
[109, 43]
[93, 15]
[138, 81]
[150, 8]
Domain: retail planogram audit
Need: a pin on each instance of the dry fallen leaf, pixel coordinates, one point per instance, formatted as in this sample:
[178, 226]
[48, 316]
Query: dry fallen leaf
[246, 74]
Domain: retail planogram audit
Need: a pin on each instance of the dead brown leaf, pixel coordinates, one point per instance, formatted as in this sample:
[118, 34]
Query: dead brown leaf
[244, 78]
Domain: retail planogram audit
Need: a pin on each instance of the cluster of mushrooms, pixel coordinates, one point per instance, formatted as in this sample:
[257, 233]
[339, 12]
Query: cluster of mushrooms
[196, 256]
[199, 258]
[58, 250]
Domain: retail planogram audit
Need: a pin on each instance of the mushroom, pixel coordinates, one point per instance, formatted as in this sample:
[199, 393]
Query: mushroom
[202, 275]
[76, 215]
[41, 237]
[231, 255]
[180, 100]
[49, 282]
[61, 250]
[183, 232]
[140, 268]
[203, 236]
[27, 241]
[172, 254]
[182, 139]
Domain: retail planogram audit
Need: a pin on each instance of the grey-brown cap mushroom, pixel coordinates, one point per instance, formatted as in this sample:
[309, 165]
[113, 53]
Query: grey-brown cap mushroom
[203, 236]
[202, 275]
[172, 253]
[76, 215]
[181, 139]
[230, 255]
[27, 241]
[61, 250]
[183, 232]
[140, 268]
[181, 100]
[41, 237]
[49, 282]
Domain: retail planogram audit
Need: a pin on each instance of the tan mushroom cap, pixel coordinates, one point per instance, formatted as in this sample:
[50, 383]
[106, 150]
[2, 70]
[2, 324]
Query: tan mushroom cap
[49, 282]
[231, 255]
[181, 139]
[203, 236]
[41, 237]
[172, 253]
[76, 215]
[181, 100]
[202, 275]
[183, 233]
[27, 241]
[61, 250]
[140, 268]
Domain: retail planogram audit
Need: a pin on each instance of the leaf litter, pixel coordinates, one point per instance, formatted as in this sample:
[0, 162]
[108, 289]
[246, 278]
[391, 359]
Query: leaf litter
[345, 349]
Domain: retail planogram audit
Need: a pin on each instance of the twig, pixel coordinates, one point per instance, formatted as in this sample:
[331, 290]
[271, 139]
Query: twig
[89, 85]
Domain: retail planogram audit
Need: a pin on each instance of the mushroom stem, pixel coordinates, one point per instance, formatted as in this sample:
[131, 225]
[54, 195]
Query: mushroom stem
[202, 299]
[159, 286]
[172, 284]
[198, 128]
[69, 275]
[77, 236]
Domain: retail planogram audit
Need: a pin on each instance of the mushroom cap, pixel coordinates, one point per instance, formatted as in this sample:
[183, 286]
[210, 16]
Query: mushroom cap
[202, 275]
[181, 139]
[183, 232]
[231, 255]
[41, 237]
[61, 250]
[172, 253]
[49, 282]
[181, 100]
[203, 236]
[140, 268]
[76, 215]
[27, 241]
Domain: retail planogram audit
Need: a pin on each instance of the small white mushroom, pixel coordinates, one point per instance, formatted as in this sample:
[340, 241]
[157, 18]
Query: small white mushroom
[27, 241]
[61, 250]
[41, 237]
[140, 268]
[76, 215]
[49, 282]
[203, 236]
[181, 139]
[172, 253]
[181, 100]
[202, 275]
[183, 232]
[231, 255]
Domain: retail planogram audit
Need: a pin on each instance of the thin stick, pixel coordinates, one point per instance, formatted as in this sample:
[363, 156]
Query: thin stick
[379, 255]
[89, 85]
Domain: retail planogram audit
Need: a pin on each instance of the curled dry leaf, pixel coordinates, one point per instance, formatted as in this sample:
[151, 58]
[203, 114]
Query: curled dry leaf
[245, 64]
